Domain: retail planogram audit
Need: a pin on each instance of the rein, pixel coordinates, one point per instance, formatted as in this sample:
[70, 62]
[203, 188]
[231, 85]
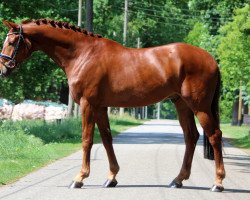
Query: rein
[11, 59]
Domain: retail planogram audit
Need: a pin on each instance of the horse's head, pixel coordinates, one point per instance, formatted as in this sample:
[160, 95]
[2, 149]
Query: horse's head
[16, 48]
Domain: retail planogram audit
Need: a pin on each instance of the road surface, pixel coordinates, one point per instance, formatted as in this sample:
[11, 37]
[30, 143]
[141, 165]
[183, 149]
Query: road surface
[150, 156]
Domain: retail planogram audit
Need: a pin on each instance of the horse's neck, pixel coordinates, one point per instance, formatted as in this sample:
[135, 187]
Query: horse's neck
[59, 45]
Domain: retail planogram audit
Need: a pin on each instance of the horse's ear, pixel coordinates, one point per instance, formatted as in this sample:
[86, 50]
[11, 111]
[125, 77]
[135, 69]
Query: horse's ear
[10, 24]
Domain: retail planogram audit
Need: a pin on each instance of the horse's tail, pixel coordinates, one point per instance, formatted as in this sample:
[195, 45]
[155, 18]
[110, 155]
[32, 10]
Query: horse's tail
[215, 102]
[208, 150]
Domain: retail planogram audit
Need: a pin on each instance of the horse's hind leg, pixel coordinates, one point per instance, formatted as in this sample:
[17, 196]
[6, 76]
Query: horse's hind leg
[104, 128]
[211, 129]
[191, 136]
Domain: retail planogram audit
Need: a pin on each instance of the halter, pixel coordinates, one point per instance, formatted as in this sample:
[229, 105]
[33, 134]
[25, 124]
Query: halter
[11, 58]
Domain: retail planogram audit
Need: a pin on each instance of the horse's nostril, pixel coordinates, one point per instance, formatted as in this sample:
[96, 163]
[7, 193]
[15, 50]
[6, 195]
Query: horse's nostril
[11, 64]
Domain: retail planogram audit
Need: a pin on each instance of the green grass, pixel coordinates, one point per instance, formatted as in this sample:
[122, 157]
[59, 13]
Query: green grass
[29, 145]
[238, 136]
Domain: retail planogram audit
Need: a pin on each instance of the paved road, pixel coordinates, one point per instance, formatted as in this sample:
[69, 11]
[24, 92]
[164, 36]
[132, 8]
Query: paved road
[150, 156]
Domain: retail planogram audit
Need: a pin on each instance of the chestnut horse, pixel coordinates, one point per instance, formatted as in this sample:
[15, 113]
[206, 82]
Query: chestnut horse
[103, 73]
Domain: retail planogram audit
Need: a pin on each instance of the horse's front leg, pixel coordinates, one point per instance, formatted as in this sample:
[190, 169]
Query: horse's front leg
[104, 128]
[88, 125]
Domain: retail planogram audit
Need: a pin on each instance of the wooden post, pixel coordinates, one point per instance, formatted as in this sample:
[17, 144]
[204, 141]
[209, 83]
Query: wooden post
[109, 110]
[146, 112]
[125, 25]
[158, 110]
[125, 29]
[70, 106]
[89, 15]
[240, 105]
[79, 23]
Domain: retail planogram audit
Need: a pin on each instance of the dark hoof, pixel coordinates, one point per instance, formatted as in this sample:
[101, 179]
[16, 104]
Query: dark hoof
[174, 184]
[217, 188]
[75, 184]
[110, 183]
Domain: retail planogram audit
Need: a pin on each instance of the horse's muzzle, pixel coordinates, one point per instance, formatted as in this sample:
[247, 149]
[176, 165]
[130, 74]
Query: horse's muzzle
[5, 68]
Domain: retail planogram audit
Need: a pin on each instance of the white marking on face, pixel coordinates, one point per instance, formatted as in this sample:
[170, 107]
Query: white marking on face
[3, 68]
[5, 41]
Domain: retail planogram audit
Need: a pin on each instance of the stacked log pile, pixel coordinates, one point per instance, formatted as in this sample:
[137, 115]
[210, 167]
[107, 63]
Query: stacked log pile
[28, 109]
[6, 109]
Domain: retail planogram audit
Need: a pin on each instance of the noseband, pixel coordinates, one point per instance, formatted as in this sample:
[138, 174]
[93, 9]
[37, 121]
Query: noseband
[11, 58]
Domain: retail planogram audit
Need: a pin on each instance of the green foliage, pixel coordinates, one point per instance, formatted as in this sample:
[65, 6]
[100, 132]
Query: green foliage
[233, 50]
[21, 153]
[200, 36]
[38, 78]
[237, 135]
[154, 25]
[215, 13]
[168, 110]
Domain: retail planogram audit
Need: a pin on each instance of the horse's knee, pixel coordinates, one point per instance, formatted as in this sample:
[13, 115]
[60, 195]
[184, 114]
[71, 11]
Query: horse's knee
[107, 139]
[87, 144]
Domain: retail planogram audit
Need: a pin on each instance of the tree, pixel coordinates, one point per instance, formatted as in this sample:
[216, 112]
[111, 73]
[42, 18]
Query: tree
[233, 52]
[27, 82]
[200, 36]
[215, 13]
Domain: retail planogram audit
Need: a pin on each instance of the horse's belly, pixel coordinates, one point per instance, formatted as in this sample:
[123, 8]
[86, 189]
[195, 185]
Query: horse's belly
[138, 98]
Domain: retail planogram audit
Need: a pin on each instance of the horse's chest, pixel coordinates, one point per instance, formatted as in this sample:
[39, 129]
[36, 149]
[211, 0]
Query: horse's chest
[79, 89]
[75, 90]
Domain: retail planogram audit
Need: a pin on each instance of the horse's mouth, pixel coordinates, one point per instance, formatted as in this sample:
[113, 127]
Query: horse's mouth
[4, 71]
[6, 68]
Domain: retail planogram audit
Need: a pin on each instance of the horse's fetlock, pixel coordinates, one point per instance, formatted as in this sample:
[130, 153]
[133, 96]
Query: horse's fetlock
[85, 174]
[115, 169]
[221, 173]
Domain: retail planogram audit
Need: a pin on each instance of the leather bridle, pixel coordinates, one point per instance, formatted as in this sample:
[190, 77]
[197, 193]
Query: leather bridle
[11, 59]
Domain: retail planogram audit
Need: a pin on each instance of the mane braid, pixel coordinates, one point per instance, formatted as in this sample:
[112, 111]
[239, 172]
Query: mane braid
[61, 25]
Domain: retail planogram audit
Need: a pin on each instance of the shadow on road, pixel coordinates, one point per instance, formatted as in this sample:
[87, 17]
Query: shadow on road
[240, 162]
[151, 138]
[227, 190]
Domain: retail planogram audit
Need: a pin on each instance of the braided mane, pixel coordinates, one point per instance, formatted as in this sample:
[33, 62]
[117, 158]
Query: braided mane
[60, 24]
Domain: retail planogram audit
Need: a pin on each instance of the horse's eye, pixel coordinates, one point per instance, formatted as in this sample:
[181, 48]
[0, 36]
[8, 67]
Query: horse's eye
[11, 43]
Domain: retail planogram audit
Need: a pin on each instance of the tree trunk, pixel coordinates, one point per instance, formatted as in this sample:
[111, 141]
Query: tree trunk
[89, 15]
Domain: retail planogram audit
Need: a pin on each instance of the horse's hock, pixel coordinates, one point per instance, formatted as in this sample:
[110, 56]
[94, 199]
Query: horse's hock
[48, 111]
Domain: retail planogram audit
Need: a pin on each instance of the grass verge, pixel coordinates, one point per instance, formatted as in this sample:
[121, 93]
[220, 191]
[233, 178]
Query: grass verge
[238, 136]
[29, 145]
